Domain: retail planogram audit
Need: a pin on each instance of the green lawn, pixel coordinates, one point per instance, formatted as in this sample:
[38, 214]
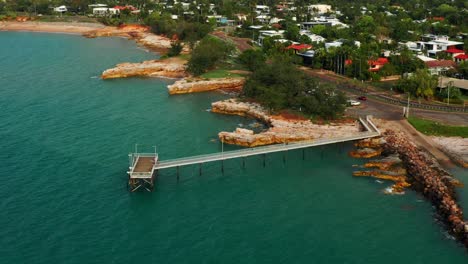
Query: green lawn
[436, 129]
[219, 74]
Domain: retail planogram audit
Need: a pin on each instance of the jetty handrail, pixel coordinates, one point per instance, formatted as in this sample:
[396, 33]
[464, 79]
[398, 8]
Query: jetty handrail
[259, 150]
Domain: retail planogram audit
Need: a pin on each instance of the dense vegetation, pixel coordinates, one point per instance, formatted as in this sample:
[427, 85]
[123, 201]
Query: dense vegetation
[279, 85]
[207, 53]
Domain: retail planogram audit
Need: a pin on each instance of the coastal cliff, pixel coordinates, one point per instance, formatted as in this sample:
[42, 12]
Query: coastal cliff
[281, 129]
[424, 175]
[154, 68]
[194, 85]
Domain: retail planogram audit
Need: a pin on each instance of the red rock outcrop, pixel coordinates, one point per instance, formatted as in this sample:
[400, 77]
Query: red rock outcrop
[195, 85]
[281, 130]
[153, 68]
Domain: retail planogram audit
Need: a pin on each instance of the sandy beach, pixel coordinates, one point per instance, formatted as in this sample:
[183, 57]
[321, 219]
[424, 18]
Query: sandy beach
[51, 27]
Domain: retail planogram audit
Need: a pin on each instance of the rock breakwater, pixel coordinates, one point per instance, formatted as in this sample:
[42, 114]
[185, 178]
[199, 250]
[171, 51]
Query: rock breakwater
[426, 176]
[281, 130]
[195, 85]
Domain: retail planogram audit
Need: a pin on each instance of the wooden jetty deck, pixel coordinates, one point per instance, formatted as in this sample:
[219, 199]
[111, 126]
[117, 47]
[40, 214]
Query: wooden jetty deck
[142, 170]
[143, 166]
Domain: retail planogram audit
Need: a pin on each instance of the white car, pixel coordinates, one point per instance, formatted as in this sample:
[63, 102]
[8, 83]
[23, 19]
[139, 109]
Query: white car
[353, 102]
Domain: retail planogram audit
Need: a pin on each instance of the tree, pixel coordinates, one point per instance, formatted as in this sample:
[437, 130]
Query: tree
[252, 59]
[419, 84]
[207, 54]
[280, 85]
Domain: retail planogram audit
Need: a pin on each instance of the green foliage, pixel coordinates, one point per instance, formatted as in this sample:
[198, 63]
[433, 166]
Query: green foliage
[406, 62]
[252, 59]
[219, 74]
[419, 84]
[183, 30]
[388, 70]
[436, 129]
[455, 93]
[175, 50]
[280, 85]
[111, 21]
[207, 54]
[463, 68]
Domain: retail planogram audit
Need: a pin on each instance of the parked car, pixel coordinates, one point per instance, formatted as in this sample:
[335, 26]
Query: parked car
[353, 102]
[362, 98]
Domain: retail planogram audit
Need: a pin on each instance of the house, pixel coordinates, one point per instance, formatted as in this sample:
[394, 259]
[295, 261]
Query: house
[326, 21]
[338, 43]
[319, 9]
[105, 11]
[376, 65]
[439, 67]
[312, 37]
[461, 58]
[262, 9]
[433, 44]
[454, 52]
[264, 19]
[269, 34]
[60, 9]
[126, 7]
[299, 47]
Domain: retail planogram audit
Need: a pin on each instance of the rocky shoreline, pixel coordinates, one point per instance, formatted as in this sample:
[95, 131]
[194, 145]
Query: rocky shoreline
[170, 68]
[423, 174]
[281, 129]
[196, 85]
[141, 34]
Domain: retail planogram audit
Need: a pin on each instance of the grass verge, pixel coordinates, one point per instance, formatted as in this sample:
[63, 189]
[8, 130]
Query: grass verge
[219, 74]
[432, 128]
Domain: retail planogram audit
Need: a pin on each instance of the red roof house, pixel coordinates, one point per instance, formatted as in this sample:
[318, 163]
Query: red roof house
[298, 47]
[461, 57]
[437, 67]
[376, 65]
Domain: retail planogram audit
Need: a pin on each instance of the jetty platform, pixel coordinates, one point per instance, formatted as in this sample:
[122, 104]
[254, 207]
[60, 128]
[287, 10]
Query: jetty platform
[143, 166]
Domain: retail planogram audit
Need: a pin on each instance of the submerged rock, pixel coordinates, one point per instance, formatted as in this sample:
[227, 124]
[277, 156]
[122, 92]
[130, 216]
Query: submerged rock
[366, 153]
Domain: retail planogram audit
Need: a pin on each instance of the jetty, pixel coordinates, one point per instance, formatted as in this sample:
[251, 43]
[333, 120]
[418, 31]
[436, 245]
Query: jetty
[144, 166]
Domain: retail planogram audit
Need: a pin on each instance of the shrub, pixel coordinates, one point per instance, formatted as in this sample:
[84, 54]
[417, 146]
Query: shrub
[176, 49]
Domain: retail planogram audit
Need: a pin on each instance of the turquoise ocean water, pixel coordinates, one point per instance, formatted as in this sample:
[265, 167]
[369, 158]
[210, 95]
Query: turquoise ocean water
[64, 139]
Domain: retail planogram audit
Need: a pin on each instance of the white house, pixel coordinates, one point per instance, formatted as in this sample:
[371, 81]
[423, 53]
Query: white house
[434, 44]
[262, 9]
[105, 11]
[60, 9]
[319, 9]
[312, 37]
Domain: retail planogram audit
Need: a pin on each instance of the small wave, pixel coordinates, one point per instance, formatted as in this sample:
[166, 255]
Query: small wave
[208, 110]
[94, 77]
[379, 181]
[240, 125]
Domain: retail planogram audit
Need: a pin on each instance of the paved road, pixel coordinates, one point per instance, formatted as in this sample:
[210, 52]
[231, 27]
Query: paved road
[389, 111]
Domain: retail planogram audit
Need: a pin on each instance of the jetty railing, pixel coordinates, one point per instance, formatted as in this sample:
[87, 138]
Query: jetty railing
[150, 164]
[258, 151]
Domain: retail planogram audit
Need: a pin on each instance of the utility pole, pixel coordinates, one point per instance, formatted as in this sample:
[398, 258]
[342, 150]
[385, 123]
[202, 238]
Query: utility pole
[407, 107]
